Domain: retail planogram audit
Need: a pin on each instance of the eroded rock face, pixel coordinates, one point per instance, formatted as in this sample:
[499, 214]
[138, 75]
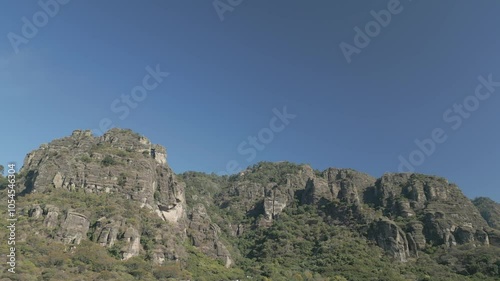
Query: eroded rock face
[275, 201]
[204, 234]
[119, 162]
[172, 193]
[106, 231]
[268, 199]
[402, 213]
[415, 210]
[415, 229]
[51, 216]
[74, 228]
[133, 246]
[493, 237]
[392, 239]
[35, 211]
[109, 232]
[344, 185]
[447, 217]
[71, 229]
[352, 184]
[318, 190]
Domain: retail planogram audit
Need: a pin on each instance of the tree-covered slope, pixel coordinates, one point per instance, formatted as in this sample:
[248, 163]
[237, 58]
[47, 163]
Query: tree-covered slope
[110, 208]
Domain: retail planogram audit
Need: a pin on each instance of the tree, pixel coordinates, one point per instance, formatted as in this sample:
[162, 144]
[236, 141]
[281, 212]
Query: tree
[3, 180]
[108, 161]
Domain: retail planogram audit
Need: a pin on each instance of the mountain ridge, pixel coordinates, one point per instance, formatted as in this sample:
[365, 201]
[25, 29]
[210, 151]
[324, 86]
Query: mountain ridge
[117, 195]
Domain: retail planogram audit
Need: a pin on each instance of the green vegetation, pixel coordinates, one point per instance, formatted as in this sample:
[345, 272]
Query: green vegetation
[265, 172]
[307, 243]
[85, 158]
[3, 180]
[122, 179]
[108, 161]
[204, 268]
[304, 242]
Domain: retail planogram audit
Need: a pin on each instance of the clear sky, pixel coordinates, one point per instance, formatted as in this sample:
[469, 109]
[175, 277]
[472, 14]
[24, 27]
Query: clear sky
[234, 64]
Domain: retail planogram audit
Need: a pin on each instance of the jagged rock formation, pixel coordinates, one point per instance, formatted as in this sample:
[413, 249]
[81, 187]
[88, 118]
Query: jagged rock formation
[106, 231]
[205, 235]
[119, 162]
[133, 240]
[163, 216]
[392, 239]
[434, 208]
[417, 211]
[72, 228]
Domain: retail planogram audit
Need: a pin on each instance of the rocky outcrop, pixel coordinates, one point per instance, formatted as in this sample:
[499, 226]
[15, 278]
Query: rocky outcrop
[119, 162]
[317, 190]
[205, 235]
[112, 232]
[106, 231]
[344, 185]
[392, 239]
[438, 212]
[275, 201]
[438, 231]
[51, 216]
[71, 229]
[403, 213]
[415, 229]
[415, 210]
[133, 247]
[266, 197]
[74, 228]
[35, 211]
[493, 237]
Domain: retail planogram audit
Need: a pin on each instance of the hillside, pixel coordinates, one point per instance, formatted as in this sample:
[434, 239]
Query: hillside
[490, 210]
[111, 208]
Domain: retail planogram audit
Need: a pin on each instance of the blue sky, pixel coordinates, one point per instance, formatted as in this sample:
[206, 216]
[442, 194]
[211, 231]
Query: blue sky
[226, 77]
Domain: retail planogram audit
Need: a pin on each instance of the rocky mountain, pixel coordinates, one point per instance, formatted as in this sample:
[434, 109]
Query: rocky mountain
[110, 208]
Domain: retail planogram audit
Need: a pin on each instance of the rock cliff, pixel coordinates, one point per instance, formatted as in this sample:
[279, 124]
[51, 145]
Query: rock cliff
[122, 165]
[119, 162]
[402, 213]
[117, 192]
